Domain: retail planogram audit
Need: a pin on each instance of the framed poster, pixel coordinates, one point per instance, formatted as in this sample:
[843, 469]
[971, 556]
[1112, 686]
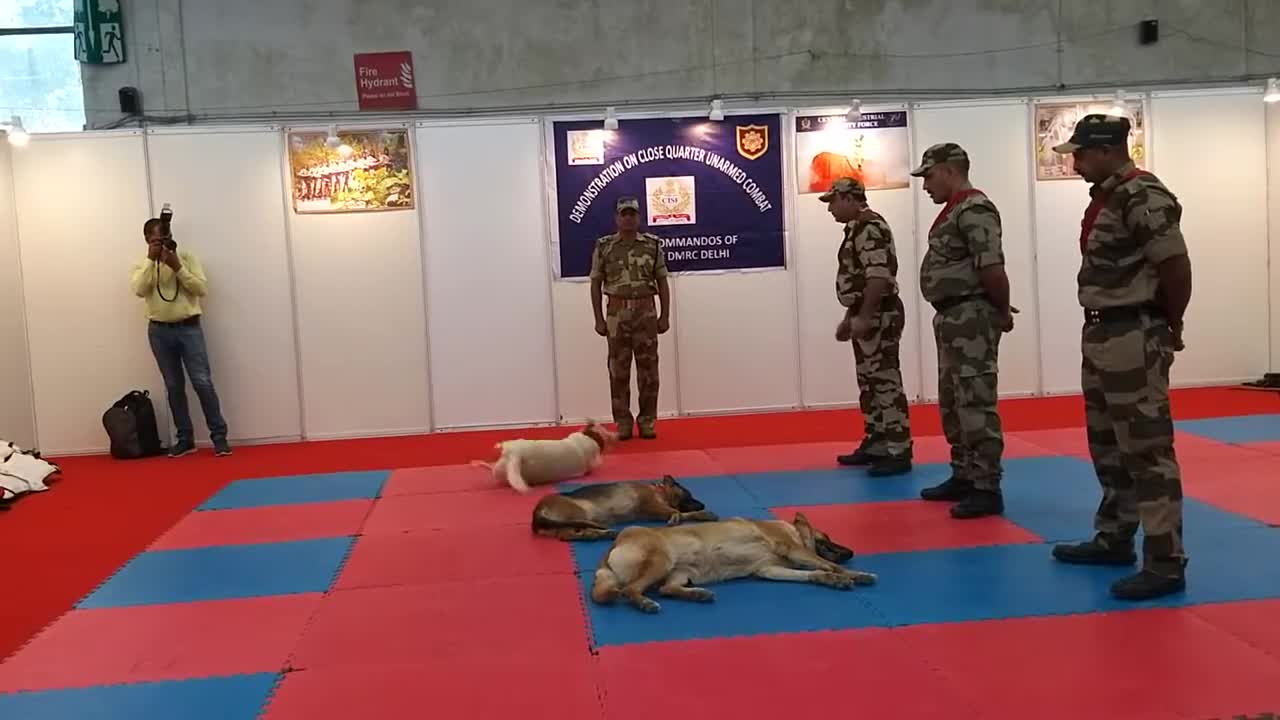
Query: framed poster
[875, 149]
[368, 170]
[711, 190]
[1054, 123]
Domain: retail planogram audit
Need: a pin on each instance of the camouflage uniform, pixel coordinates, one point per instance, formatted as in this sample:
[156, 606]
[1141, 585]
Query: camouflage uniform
[1131, 226]
[964, 239]
[867, 252]
[629, 271]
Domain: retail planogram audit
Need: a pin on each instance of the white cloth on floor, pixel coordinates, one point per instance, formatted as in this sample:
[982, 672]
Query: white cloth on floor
[21, 471]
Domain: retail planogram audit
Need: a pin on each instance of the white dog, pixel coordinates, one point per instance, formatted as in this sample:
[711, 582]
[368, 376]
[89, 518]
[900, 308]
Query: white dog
[527, 463]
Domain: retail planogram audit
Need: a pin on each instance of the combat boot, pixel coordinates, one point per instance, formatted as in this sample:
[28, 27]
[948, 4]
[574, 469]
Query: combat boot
[858, 457]
[953, 490]
[978, 503]
[1146, 585]
[1096, 552]
[647, 432]
[887, 465]
[624, 431]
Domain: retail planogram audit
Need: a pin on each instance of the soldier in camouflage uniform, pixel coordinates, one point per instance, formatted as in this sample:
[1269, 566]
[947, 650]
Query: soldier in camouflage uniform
[630, 267]
[1134, 285]
[963, 277]
[866, 285]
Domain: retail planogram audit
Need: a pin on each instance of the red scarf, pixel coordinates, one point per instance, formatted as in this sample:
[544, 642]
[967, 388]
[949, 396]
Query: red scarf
[1092, 212]
[955, 198]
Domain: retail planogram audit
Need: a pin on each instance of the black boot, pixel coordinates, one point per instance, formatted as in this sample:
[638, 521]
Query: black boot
[858, 457]
[978, 503]
[890, 465]
[953, 490]
[1147, 585]
[1096, 552]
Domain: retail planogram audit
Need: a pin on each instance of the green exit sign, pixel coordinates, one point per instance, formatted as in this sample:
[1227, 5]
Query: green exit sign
[99, 27]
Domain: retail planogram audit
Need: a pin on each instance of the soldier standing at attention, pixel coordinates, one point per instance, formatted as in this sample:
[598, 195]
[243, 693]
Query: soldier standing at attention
[963, 277]
[630, 267]
[1134, 285]
[866, 285]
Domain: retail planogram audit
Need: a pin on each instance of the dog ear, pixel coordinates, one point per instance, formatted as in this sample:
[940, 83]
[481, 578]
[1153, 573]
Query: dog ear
[803, 527]
[668, 480]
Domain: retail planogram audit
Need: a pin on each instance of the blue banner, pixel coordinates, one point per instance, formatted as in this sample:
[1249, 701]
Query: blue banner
[711, 190]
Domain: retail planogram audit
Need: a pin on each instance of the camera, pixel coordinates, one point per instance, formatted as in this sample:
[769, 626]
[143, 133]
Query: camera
[166, 219]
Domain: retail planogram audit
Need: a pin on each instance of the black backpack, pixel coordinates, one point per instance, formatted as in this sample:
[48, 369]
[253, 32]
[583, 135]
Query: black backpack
[131, 425]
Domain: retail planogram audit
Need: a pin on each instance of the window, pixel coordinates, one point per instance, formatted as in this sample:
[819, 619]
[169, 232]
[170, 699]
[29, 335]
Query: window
[39, 74]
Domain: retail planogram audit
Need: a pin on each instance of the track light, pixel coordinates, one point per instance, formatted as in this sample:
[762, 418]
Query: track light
[333, 141]
[17, 134]
[1273, 91]
[610, 119]
[855, 111]
[717, 111]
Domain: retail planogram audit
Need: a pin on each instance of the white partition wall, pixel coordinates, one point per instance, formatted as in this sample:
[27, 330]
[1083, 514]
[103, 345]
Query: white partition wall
[827, 367]
[488, 286]
[82, 200]
[448, 316]
[995, 134]
[362, 331]
[17, 410]
[224, 187]
[1220, 177]
[737, 338]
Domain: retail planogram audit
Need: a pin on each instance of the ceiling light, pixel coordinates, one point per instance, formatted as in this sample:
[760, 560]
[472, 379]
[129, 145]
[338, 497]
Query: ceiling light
[717, 111]
[610, 119]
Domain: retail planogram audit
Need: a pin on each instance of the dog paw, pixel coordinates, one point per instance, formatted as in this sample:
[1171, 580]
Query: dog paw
[864, 578]
[646, 605]
[673, 520]
[835, 580]
[700, 595]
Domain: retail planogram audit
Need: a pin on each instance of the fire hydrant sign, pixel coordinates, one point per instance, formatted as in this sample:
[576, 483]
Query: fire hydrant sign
[384, 81]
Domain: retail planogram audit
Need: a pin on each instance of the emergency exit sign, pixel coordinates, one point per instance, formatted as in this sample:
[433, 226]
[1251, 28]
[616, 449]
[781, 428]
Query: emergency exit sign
[384, 81]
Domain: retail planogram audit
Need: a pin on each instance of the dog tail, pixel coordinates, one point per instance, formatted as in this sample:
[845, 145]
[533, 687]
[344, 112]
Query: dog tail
[605, 587]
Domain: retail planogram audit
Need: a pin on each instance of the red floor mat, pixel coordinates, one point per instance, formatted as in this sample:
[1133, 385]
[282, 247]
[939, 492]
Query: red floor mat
[1250, 487]
[529, 686]
[1256, 623]
[1195, 447]
[1138, 664]
[450, 510]
[280, 523]
[855, 674]
[453, 555]
[538, 616]
[1072, 442]
[439, 479]
[771, 458]
[907, 526]
[653, 465]
[161, 642]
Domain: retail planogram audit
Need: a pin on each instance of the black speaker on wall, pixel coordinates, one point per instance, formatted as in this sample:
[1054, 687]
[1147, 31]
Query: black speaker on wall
[1149, 32]
[130, 101]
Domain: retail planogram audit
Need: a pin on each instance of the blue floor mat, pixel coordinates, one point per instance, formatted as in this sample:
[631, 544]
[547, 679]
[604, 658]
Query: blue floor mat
[1242, 429]
[223, 572]
[292, 489]
[239, 697]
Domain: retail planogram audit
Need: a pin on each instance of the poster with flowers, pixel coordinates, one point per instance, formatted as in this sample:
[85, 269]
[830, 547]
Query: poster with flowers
[343, 171]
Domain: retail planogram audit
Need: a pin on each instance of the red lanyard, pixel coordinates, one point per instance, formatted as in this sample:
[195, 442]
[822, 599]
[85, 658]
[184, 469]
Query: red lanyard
[1095, 208]
[951, 203]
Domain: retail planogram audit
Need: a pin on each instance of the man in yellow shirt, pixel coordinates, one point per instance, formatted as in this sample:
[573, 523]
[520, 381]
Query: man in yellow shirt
[172, 282]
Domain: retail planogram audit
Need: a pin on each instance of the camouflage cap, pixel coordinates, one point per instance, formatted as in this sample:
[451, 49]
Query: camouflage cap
[938, 154]
[843, 185]
[1096, 130]
[627, 202]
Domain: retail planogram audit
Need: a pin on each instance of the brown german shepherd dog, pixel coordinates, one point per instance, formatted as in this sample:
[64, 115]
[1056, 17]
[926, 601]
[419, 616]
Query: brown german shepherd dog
[681, 558]
[587, 512]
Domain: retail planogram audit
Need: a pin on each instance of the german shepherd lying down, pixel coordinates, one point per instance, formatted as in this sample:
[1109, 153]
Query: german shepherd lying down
[678, 559]
[587, 512]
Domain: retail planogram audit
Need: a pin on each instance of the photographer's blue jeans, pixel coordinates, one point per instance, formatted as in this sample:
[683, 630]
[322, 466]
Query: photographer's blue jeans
[174, 347]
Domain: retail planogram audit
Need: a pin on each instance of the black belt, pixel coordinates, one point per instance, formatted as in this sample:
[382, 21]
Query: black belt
[948, 303]
[1121, 313]
[193, 320]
